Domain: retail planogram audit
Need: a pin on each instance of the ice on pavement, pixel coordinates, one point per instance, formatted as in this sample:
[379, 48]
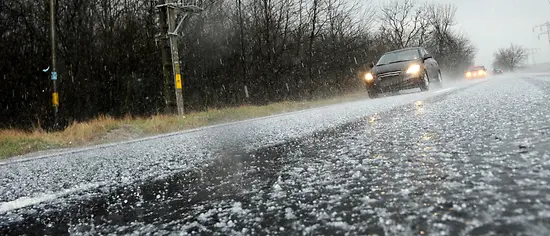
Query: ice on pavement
[438, 172]
[471, 162]
[155, 157]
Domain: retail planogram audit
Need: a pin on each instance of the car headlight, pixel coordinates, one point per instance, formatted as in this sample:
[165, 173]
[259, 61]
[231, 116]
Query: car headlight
[414, 69]
[468, 74]
[481, 72]
[369, 77]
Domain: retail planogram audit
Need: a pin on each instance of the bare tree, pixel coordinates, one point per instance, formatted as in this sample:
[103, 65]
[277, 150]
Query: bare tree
[453, 51]
[442, 19]
[511, 57]
[460, 54]
[404, 22]
[315, 9]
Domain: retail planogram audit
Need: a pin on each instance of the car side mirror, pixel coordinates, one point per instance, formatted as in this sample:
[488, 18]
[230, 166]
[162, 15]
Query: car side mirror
[370, 65]
[427, 56]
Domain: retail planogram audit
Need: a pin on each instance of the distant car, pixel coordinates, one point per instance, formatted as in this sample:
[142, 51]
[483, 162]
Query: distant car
[402, 69]
[476, 72]
[497, 71]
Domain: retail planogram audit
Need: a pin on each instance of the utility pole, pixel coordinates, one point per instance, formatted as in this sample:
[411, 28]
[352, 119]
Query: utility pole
[166, 60]
[175, 58]
[544, 29]
[55, 95]
[171, 26]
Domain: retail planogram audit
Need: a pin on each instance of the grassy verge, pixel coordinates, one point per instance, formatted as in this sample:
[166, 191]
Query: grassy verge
[106, 129]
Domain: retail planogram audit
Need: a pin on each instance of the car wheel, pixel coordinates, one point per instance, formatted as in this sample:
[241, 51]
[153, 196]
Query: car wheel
[439, 81]
[425, 83]
[373, 93]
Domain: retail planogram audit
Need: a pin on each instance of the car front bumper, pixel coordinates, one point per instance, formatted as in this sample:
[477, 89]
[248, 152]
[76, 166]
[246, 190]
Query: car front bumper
[476, 76]
[395, 82]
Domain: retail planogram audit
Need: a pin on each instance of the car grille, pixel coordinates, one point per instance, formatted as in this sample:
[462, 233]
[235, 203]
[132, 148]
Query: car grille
[389, 74]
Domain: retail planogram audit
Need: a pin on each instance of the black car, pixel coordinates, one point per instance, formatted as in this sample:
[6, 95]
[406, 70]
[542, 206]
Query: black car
[402, 69]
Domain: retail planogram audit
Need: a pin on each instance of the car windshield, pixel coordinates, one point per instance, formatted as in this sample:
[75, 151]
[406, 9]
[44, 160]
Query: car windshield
[399, 56]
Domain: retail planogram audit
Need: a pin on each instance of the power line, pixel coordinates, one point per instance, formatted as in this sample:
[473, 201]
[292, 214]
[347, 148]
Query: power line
[533, 52]
[544, 30]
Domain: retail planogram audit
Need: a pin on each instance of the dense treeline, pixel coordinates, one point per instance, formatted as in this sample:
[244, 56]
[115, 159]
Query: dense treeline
[109, 59]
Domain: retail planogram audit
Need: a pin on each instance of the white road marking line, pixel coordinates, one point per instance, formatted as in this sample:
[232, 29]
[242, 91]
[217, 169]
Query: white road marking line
[44, 197]
[445, 90]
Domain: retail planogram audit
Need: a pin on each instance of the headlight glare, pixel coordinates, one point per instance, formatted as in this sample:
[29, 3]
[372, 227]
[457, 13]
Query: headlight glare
[369, 77]
[414, 69]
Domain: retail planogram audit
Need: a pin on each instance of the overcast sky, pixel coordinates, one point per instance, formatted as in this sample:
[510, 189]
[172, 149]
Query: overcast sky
[492, 24]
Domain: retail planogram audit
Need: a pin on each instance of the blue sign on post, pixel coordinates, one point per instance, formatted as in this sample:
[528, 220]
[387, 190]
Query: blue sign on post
[54, 75]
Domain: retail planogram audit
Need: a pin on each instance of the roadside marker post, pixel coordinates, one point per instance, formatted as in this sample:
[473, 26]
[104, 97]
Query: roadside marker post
[55, 95]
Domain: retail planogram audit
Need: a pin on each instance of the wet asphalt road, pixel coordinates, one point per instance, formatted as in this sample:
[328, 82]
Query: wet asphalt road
[470, 159]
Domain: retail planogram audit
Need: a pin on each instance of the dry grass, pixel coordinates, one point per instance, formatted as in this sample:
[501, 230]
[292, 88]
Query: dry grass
[106, 129]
